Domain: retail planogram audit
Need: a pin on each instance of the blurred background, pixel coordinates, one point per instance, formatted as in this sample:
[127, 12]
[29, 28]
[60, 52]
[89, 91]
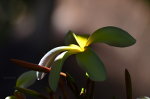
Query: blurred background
[30, 28]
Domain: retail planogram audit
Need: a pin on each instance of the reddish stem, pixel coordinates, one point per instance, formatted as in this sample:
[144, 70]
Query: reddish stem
[34, 67]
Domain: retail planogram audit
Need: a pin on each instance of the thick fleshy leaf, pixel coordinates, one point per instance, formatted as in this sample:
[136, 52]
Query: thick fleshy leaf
[26, 79]
[31, 92]
[112, 36]
[145, 97]
[72, 38]
[56, 68]
[49, 57]
[10, 97]
[91, 64]
[81, 40]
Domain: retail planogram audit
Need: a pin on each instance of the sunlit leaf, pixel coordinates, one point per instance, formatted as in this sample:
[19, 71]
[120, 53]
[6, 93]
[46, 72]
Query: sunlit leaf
[31, 92]
[128, 84]
[91, 64]
[56, 68]
[112, 36]
[81, 40]
[26, 79]
[49, 57]
[10, 97]
[72, 38]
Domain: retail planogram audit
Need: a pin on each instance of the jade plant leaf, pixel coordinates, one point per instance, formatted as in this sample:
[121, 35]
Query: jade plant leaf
[70, 39]
[26, 79]
[91, 64]
[10, 97]
[56, 69]
[31, 92]
[113, 36]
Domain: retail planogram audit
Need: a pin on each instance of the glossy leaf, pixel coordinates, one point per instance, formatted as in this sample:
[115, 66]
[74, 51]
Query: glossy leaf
[31, 92]
[143, 97]
[10, 97]
[112, 36]
[128, 84]
[56, 68]
[26, 79]
[91, 64]
[70, 39]
[49, 57]
[81, 40]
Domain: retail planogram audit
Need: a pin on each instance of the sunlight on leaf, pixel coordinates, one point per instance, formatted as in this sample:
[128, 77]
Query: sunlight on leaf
[26, 79]
[91, 64]
[10, 97]
[48, 59]
[31, 92]
[112, 36]
[72, 38]
[81, 40]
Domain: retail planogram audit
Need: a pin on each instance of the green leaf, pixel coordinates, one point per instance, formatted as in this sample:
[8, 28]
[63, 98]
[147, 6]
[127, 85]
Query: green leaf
[26, 79]
[128, 84]
[112, 36]
[91, 64]
[10, 97]
[48, 59]
[19, 95]
[56, 69]
[31, 92]
[143, 97]
[72, 38]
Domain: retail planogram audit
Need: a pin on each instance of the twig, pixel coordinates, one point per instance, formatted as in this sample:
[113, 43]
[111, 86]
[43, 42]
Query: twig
[90, 86]
[34, 67]
[63, 88]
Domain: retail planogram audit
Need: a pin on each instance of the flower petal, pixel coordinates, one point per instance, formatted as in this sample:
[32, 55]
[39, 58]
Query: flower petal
[56, 69]
[112, 36]
[26, 79]
[91, 64]
[49, 57]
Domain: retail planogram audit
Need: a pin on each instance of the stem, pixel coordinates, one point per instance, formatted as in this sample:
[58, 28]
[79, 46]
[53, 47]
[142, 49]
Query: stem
[34, 67]
[90, 86]
[63, 88]
[72, 85]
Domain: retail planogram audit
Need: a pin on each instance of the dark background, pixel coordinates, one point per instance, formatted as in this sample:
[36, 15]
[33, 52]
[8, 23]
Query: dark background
[30, 28]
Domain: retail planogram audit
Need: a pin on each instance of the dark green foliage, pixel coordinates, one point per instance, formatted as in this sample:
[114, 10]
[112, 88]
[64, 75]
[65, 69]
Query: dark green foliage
[128, 84]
